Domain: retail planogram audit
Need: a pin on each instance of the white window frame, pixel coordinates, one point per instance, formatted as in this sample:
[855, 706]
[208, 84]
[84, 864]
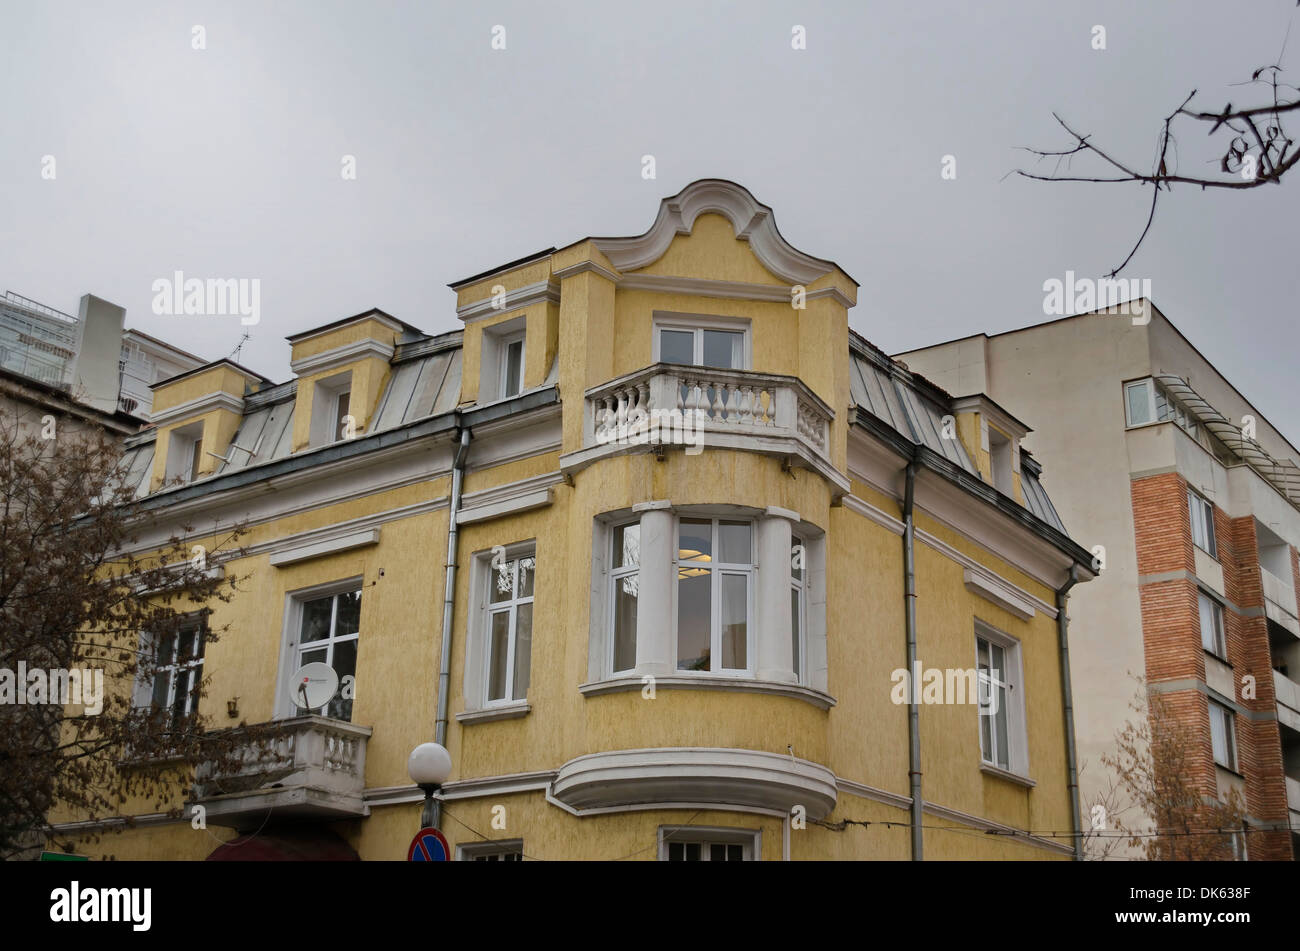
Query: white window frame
[1150, 386]
[799, 607]
[717, 569]
[291, 647]
[750, 840]
[340, 426]
[514, 553]
[499, 850]
[185, 452]
[1198, 504]
[1228, 721]
[1218, 638]
[325, 409]
[195, 629]
[505, 343]
[615, 576]
[1014, 679]
[698, 323]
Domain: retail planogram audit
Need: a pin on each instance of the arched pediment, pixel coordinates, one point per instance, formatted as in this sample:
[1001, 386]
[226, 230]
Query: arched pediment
[752, 220]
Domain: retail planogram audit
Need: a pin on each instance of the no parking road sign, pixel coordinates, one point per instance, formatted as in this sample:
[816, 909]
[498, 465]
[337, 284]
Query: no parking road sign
[428, 846]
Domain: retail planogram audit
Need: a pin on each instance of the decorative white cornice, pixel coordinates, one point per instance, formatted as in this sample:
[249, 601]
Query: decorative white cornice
[584, 266]
[375, 315]
[339, 542]
[209, 402]
[548, 290]
[341, 356]
[752, 221]
[736, 290]
[985, 584]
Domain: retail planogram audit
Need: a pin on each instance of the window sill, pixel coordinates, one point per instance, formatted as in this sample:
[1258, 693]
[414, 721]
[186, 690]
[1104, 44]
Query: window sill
[1220, 658]
[503, 711]
[1209, 554]
[817, 698]
[997, 771]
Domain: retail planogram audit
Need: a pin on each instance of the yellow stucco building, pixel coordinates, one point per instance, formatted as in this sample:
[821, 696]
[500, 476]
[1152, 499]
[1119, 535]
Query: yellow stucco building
[699, 527]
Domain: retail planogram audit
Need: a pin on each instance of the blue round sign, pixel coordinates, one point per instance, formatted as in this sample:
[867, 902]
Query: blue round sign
[428, 846]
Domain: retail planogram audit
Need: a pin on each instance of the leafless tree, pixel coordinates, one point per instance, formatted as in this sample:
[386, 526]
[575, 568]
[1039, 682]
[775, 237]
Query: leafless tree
[1251, 148]
[73, 597]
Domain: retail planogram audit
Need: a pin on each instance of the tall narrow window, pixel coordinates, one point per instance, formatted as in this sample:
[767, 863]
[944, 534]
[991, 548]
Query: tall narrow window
[510, 628]
[512, 366]
[1202, 515]
[625, 572]
[995, 709]
[715, 565]
[196, 458]
[1223, 736]
[1212, 638]
[342, 402]
[798, 558]
[328, 634]
[1139, 403]
[178, 672]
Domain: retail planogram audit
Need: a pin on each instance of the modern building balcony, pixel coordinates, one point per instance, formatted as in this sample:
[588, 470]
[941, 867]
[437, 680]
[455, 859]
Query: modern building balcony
[703, 407]
[1279, 600]
[1288, 700]
[308, 766]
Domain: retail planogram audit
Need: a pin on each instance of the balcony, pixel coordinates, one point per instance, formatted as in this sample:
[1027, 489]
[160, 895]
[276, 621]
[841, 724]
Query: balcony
[309, 766]
[1287, 692]
[1279, 600]
[698, 407]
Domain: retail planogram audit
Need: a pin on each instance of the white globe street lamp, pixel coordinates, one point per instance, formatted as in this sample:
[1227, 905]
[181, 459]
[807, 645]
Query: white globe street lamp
[429, 766]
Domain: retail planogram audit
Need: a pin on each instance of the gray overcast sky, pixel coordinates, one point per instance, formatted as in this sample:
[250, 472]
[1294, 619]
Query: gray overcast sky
[225, 162]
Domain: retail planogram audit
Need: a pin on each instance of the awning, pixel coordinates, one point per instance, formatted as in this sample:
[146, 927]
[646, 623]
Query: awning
[306, 844]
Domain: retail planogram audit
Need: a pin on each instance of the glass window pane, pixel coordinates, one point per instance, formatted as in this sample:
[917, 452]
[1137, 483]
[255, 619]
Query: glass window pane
[502, 585]
[694, 541]
[1001, 720]
[798, 558]
[692, 851]
[514, 367]
[317, 655]
[734, 542]
[523, 649]
[316, 618]
[986, 728]
[499, 644]
[723, 348]
[526, 567]
[341, 407]
[625, 601]
[796, 630]
[735, 621]
[166, 649]
[694, 619]
[735, 853]
[676, 346]
[1218, 736]
[348, 620]
[1139, 411]
[717, 852]
[162, 680]
[345, 665]
[627, 546]
[180, 702]
[676, 852]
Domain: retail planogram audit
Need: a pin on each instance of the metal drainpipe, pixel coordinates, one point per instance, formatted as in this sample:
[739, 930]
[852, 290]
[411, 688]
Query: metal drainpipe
[449, 603]
[913, 709]
[1062, 628]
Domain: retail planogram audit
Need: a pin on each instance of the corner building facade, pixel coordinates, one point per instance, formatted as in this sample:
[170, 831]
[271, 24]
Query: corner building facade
[675, 647]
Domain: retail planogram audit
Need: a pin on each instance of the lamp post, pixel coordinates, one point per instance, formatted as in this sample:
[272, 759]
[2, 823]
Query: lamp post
[429, 766]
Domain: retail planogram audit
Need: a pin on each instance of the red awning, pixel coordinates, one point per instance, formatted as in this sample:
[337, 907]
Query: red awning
[309, 844]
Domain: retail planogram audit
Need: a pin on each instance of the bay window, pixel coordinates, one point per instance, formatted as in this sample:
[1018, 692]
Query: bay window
[715, 565]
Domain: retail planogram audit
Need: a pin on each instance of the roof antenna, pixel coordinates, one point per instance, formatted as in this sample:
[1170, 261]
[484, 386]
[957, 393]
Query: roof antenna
[235, 355]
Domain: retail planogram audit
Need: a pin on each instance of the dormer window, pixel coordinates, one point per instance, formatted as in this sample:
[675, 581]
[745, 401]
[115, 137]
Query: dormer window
[512, 366]
[1000, 453]
[185, 453]
[331, 419]
[503, 361]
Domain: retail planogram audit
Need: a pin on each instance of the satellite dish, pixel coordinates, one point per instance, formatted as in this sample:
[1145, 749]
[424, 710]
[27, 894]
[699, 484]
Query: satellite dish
[313, 686]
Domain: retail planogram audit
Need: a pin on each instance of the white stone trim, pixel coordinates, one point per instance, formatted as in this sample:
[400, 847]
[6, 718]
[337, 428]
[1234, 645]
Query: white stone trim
[817, 698]
[645, 778]
[582, 267]
[731, 290]
[500, 711]
[199, 406]
[752, 221]
[987, 585]
[388, 322]
[547, 290]
[342, 356]
[325, 546]
[507, 506]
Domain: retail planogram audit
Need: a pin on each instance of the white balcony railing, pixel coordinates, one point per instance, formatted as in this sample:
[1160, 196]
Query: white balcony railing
[699, 401]
[307, 765]
[1279, 591]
